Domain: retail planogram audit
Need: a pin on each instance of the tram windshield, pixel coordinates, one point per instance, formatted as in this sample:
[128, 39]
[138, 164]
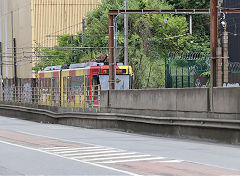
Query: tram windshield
[122, 82]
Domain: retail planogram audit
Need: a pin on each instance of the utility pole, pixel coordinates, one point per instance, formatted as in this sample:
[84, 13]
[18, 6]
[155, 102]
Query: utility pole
[15, 68]
[213, 39]
[15, 60]
[1, 61]
[111, 53]
[6, 35]
[1, 73]
[225, 52]
[126, 34]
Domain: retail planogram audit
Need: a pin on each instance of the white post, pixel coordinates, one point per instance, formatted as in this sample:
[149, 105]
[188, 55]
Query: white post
[190, 25]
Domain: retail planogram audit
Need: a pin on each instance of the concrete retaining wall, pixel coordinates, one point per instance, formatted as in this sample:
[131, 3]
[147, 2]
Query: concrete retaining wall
[189, 102]
[158, 99]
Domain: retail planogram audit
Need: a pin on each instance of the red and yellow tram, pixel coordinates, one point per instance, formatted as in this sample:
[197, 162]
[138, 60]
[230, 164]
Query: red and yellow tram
[79, 84]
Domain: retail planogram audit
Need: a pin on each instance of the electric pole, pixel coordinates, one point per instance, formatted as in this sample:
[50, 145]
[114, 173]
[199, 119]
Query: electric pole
[111, 53]
[213, 39]
[126, 34]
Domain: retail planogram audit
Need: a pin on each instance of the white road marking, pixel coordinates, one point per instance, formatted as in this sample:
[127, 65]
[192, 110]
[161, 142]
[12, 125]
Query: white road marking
[69, 148]
[131, 160]
[114, 158]
[52, 148]
[170, 161]
[81, 151]
[92, 153]
[94, 164]
[114, 154]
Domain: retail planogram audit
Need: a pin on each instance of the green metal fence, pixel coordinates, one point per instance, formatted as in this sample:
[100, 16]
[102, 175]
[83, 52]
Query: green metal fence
[234, 72]
[186, 69]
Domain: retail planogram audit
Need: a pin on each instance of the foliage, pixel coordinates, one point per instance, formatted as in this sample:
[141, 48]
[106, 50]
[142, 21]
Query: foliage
[200, 22]
[151, 37]
[207, 74]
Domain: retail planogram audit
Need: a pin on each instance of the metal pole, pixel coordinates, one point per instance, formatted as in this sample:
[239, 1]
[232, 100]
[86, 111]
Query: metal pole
[126, 34]
[1, 72]
[83, 30]
[1, 61]
[111, 53]
[214, 39]
[214, 44]
[190, 25]
[115, 48]
[15, 60]
[72, 40]
[6, 35]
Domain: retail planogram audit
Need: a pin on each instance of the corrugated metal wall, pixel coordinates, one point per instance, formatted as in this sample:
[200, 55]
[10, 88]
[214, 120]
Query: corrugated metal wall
[51, 18]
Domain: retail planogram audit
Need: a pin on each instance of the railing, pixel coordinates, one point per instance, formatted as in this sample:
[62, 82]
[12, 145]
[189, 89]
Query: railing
[74, 97]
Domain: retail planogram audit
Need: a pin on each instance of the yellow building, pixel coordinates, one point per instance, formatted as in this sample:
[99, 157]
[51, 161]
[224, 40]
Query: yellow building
[36, 21]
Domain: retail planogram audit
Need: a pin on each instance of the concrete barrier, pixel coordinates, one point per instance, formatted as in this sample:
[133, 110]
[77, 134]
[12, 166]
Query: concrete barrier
[188, 102]
[161, 112]
[226, 100]
[157, 102]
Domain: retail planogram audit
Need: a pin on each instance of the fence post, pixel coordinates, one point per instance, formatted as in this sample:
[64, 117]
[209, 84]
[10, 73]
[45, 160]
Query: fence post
[188, 75]
[176, 78]
[99, 96]
[182, 76]
[166, 75]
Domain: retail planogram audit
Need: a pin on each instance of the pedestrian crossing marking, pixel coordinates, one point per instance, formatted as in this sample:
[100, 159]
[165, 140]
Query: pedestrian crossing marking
[52, 148]
[70, 149]
[113, 154]
[104, 155]
[170, 161]
[131, 160]
[81, 150]
[93, 153]
[120, 157]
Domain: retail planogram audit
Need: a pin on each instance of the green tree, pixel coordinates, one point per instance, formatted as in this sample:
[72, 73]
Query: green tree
[151, 37]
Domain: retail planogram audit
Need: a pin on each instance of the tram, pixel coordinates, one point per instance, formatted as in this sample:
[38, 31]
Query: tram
[78, 85]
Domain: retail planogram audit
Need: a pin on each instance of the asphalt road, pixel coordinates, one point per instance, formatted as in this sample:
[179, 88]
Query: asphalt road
[29, 148]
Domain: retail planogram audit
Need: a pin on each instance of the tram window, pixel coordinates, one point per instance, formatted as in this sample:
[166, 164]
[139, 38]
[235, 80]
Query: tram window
[78, 84]
[64, 84]
[41, 82]
[54, 84]
[45, 85]
[48, 82]
[95, 84]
